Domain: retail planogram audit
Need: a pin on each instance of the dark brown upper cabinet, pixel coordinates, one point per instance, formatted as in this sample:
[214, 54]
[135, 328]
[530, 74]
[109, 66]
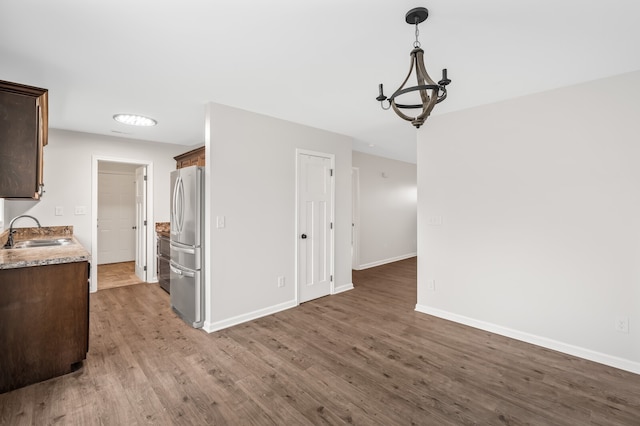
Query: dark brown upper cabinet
[194, 157]
[24, 126]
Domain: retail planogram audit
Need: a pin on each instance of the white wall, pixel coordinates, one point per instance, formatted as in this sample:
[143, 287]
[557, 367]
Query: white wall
[386, 223]
[529, 218]
[251, 180]
[67, 178]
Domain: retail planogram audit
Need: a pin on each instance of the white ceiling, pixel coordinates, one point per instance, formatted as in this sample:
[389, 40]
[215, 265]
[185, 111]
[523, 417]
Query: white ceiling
[316, 62]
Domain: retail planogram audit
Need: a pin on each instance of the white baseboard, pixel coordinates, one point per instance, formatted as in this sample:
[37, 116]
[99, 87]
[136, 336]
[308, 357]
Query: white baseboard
[342, 288]
[612, 361]
[210, 327]
[385, 261]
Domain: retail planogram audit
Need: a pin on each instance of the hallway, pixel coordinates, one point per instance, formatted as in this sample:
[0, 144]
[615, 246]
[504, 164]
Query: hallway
[113, 275]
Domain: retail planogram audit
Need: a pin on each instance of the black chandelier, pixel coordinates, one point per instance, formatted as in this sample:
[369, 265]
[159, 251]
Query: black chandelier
[430, 92]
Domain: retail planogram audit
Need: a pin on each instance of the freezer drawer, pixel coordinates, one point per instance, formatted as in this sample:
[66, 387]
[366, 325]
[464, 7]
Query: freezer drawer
[187, 298]
[186, 256]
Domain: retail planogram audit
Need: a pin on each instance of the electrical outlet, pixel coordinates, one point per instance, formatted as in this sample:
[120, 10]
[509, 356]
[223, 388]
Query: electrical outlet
[434, 220]
[622, 324]
[280, 281]
[431, 285]
[80, 210]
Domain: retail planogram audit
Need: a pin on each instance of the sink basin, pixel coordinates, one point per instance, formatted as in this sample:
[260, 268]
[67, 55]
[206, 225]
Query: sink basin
[42, 243]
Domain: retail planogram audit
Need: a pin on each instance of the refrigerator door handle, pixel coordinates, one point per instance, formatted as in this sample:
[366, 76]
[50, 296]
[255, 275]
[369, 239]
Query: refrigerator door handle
[181, 205]
[182, 272]
[178, 205]
[174, 195]
[173, 205]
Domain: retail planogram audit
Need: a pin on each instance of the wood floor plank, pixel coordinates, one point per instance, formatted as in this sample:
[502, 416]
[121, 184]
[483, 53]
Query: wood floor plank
[363, 357]
[112, 275]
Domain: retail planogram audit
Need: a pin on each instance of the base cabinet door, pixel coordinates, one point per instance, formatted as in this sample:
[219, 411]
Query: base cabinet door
[44, 322]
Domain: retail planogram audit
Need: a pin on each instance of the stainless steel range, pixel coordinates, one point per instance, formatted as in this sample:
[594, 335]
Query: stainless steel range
[163, 256]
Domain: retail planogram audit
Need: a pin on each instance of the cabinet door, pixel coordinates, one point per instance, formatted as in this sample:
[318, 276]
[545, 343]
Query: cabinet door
[191, 158]
[23, 133]
[44, 322]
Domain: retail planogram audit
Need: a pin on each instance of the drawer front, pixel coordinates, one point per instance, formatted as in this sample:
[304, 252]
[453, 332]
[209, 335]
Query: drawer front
[186, 295]
[164, 246]
[186, 256]
[164, 273]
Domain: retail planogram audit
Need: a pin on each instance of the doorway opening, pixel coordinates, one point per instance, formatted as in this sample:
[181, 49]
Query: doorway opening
[122, 244]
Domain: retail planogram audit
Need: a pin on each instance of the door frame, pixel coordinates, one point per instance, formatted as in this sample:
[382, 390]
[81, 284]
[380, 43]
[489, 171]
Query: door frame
[144, 221]
[296, 235]
[150, 233]
[355, 218]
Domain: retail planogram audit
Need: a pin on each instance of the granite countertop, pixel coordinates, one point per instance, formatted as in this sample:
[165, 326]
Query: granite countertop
[163, 228]
[39, 256]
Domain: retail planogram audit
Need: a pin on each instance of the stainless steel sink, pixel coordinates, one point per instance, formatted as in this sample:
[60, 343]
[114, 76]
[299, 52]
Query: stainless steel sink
[42, 243]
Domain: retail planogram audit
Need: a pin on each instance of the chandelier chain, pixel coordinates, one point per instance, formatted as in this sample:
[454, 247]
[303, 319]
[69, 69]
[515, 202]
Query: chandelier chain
[416, 43]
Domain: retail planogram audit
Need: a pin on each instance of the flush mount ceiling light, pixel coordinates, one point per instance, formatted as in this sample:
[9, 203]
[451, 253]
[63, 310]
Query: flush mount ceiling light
[135, 120]
[430, 92]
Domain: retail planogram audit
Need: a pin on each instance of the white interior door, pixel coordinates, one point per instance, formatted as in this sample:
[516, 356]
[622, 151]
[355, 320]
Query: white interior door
[315, 234]
[116, 217]
[141, 222]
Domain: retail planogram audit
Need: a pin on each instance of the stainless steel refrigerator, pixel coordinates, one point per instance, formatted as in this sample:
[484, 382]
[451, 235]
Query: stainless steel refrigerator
[187, 226]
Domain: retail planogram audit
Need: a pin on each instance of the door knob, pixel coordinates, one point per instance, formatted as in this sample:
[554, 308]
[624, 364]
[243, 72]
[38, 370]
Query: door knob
[303, 236]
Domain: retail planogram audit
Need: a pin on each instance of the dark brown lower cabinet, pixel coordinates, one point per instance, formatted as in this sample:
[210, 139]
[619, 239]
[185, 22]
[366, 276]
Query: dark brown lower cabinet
[44, 322]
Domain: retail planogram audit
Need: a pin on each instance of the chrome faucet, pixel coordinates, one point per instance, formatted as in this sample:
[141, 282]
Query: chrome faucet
[12, 231]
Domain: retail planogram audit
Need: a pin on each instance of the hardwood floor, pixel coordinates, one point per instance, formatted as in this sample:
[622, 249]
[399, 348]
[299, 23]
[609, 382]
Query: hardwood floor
[112, 275]
[361, 357]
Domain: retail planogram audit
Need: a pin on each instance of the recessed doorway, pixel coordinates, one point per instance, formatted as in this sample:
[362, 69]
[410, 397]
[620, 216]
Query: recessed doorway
[122, 238]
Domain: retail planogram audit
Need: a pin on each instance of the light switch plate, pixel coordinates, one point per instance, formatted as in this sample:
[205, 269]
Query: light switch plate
[59, 210]
[431, 285]
[434, 220]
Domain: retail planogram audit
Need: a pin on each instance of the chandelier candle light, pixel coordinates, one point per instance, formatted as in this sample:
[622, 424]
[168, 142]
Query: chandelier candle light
[430, 92]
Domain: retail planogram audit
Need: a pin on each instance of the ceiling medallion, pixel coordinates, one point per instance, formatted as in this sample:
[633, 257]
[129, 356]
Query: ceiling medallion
[430, 92]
